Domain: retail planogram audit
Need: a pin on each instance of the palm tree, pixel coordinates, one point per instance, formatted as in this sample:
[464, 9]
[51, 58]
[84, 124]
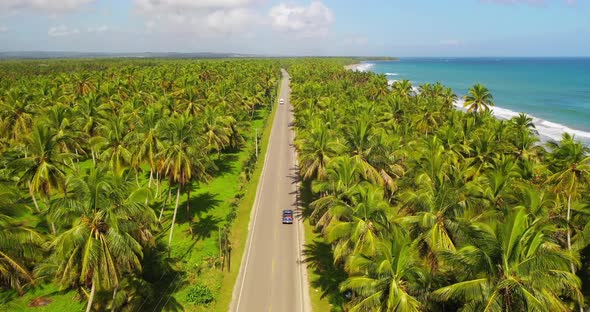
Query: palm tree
[16, 113]
[44, 168]
[389, 281]
[316, 147]
[20, 245]
[403, 88]
[183, 157]
[571, 162]
[147, 138]
[479, 99]
[114, 143]
[518, 268]
[216, 128]
[358, 226]
[104, 241]
[523, 122]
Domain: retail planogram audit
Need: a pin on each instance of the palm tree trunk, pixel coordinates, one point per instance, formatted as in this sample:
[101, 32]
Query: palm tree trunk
[151, 177]
[569, 232]
[34, 199]
[157, 185]
[164, 204]
[114, 295]
[92, 291]
[188, 209]
[173, 219]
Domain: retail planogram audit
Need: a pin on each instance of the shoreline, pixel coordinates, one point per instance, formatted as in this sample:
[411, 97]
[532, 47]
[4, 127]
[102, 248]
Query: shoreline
[360, 67]
[548, 130]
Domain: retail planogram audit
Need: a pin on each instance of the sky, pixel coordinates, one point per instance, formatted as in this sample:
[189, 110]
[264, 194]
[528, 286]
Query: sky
[299, 27]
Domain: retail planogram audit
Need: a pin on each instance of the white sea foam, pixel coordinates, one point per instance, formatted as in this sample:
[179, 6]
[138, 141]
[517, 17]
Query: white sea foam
[547, 130]
[391, 74]
[361, 67]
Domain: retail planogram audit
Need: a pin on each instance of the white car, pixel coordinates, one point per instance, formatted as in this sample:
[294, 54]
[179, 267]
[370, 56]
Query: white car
[281, 101]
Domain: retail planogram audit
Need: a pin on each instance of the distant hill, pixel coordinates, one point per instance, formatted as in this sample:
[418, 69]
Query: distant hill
[57, 54]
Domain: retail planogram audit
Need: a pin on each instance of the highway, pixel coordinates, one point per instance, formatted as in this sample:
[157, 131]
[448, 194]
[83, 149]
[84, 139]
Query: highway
[271, 276]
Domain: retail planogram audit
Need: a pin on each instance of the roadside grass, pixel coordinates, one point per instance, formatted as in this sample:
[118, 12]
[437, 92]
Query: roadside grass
[60, 300]
[194, 255]
[239, 231]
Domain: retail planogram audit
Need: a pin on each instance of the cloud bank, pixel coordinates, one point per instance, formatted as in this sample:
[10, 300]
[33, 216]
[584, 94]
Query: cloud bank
[45, 6]
[307, 21]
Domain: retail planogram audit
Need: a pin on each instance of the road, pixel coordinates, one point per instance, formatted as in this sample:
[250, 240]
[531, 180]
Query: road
[271, 277]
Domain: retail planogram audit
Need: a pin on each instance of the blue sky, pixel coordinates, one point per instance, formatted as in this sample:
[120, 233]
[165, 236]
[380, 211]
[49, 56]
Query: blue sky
[298, 27]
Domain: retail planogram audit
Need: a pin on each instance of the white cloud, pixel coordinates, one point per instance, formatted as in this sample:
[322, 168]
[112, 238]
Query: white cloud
[223, 21]
[62, 30]
[203, 18]
[98, 29]
[3, 29]
[49, 6]
[180, 5]
[313, 20]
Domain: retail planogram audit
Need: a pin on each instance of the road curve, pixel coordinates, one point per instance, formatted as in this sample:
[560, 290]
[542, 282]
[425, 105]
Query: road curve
[271, 276]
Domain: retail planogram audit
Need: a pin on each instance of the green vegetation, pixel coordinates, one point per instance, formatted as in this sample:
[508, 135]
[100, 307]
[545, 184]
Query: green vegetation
[121, 179]
[421, 207]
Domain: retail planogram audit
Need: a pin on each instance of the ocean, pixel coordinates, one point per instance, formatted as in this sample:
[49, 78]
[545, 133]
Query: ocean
[554, 91]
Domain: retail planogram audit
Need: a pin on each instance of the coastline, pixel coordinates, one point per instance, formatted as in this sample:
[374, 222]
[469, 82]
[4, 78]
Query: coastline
[548, 130]
[360, 67]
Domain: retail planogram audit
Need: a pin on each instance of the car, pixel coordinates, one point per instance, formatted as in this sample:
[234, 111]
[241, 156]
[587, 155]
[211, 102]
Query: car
[281, 101]
[287, 216]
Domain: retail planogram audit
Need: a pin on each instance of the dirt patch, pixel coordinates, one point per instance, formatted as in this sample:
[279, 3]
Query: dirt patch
[40, 302]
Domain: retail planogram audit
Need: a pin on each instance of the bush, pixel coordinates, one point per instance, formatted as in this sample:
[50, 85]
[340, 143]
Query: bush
[199, 294]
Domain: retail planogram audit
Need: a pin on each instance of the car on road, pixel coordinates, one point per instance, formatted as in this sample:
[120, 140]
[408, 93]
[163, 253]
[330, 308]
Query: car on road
[287, 216]
[281, 101]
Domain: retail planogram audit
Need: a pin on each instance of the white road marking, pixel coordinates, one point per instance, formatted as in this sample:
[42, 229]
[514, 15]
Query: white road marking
[251, 231]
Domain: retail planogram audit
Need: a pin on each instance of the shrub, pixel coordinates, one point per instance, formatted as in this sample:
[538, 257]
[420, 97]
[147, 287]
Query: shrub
[199, 294]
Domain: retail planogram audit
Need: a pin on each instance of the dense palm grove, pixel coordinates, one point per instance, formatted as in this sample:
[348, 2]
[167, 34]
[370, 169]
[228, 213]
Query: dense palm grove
[95, 156]
[428, 208]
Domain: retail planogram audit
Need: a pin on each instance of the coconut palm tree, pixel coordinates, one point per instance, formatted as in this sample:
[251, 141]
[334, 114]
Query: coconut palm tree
[103, 242]
[113, 143]
[216, 128]
[523, 122]
[20, 245]
[479, 99]
[570, 160]
[16, 115]
[183, 157]
[43, 170]
[358, 226]
[316, 148]
[388, 281]
[403, 88]
[518, 267]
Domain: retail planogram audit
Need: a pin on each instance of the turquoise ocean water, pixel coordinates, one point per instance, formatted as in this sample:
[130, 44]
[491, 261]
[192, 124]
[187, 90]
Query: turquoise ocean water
[554, 91]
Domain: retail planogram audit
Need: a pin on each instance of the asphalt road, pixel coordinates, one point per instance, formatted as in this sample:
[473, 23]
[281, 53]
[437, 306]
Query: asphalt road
[271, 277]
